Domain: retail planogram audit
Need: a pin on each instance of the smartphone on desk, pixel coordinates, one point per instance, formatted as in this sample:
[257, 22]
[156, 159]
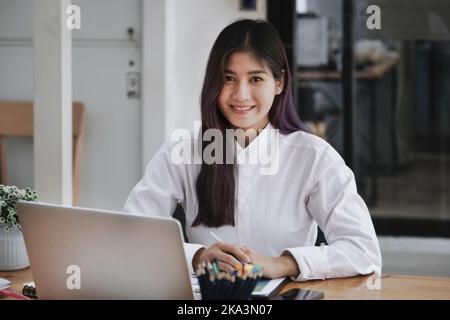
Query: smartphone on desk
[269, 289]
[298, 294]
[266, 288]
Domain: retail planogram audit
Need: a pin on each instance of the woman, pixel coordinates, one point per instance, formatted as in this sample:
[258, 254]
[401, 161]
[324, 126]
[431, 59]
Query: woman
[266, 217]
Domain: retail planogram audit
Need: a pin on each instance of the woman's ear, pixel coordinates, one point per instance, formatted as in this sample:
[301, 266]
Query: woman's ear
[280, 83]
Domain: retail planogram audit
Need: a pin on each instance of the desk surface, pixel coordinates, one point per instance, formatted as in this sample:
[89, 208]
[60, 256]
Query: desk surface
[362, 287]
[371, 73]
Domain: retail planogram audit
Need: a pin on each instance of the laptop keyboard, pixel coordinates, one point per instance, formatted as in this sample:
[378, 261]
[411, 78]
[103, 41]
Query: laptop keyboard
[195, 287]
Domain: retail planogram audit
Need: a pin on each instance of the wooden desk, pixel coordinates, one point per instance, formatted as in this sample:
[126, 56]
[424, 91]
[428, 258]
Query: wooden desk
[361, 287]
[388, 287]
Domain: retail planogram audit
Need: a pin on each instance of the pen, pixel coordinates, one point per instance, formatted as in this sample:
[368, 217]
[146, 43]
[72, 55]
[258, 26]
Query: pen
[215, 236]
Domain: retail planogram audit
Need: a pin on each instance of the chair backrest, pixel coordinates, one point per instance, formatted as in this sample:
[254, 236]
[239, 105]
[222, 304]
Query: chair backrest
[16, 120]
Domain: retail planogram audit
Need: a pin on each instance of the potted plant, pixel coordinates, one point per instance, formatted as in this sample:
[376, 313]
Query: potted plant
[13, 255]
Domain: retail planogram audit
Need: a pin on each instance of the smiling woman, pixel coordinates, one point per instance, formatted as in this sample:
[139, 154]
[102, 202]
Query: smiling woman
[268, 220]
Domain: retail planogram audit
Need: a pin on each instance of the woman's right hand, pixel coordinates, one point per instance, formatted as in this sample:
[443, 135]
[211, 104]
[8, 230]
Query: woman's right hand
[227, 256]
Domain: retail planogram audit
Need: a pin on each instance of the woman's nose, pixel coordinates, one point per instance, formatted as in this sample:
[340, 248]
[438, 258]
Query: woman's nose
[241, 92]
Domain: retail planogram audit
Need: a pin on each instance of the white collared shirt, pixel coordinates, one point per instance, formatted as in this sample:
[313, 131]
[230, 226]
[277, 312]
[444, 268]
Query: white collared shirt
[278, 209]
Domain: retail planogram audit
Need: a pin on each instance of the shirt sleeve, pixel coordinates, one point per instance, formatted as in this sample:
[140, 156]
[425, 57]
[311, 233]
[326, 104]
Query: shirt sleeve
[159, 191]
[344, 218]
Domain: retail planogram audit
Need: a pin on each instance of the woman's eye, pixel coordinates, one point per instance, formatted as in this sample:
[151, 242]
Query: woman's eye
[256, 79]
[229, 78]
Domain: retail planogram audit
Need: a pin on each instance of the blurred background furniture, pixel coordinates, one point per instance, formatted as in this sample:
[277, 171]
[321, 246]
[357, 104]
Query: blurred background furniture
[381, 140]
[16, 120]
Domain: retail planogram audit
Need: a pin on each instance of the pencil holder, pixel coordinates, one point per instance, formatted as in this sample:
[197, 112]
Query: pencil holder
[220, 285]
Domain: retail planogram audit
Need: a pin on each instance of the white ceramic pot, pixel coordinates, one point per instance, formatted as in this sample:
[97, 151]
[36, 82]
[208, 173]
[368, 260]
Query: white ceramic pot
[13, 254]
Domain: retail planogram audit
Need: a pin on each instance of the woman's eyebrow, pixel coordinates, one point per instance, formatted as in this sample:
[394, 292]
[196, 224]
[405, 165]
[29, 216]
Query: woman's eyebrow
[250, 72]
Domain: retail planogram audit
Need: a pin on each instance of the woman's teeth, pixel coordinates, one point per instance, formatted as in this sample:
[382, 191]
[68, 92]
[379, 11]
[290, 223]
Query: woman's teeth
[242, 108]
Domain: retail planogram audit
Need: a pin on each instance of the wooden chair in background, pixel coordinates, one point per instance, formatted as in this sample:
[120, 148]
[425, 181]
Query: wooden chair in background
[16, 120]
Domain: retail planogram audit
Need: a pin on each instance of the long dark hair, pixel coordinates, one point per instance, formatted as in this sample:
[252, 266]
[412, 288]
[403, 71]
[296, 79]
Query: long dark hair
[216, 184]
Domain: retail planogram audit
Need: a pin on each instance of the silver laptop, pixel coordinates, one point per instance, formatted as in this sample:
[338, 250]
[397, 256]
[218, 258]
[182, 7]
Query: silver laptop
[78, 253]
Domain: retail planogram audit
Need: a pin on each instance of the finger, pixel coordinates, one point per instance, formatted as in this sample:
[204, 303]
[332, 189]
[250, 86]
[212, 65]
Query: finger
[225, 267]
[240, 254]
[228, 259]
[236, 252]
[246, 250]
[220, 255]
[224, 261]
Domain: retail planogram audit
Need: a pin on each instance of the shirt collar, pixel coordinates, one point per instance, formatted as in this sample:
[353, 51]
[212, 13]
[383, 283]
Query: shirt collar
[256, 148]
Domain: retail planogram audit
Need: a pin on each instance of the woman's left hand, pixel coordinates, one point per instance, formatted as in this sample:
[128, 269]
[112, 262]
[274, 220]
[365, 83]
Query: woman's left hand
[273, 267]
